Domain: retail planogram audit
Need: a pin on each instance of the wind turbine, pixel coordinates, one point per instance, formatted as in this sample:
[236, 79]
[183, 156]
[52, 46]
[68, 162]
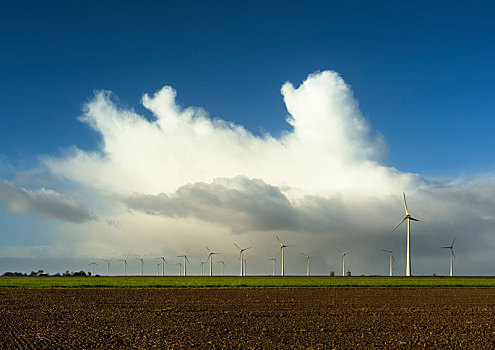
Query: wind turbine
[93, 264]
[125, 266]
[142, 263]
[221, 267]
[245, 265]
[210, 257]
[343, 260]
[307, 263]
[186, 260]
[274, 265]
[241, 257]
[282, 246]
[163, 263]
[391, 253]
[108, 265]
[201, 265]
[408, 251]
[158, 269]
[180, 268]
[452, 256]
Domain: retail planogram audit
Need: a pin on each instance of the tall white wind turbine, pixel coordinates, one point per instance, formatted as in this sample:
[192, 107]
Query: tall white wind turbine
[125, 266]
[210, 257]
[343, 260]
[282, 246]
[241, 257]
[307, 262]
[408, 251]
[452, 256]
[186, 260]
[391, 254]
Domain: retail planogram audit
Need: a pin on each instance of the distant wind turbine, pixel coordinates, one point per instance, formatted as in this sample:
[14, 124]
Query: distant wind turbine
[222, 266]
[408, 250]
[162, 258]
[108, 265]
[274, 272]
[186, 260]
[241, 257]
[93, 265]
[158, 269]
[245, 265]
[391, 253]
[210, 257]
[343, 260]
[180, 268]
[201, 265]
[452, 256]
[282, 246]
[307, 262]
[142, 264]
[125, 266]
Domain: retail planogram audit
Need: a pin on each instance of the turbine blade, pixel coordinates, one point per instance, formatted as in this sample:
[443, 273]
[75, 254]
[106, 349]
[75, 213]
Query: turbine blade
[453, 254]
[405, 204]
[414, 219]
[237, 246]
[398, 224]
[279, 240]
[445, 247]
[247, 248]
[452, 245]
[207, 248]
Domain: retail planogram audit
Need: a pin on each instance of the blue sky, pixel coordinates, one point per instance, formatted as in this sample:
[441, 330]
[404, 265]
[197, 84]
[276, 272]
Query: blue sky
[421, 71]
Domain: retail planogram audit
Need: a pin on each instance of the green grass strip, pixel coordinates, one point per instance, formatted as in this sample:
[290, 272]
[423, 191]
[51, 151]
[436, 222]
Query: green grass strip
[241, 282]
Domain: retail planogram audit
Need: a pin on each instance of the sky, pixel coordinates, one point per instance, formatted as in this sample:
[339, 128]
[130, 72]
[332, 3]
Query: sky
[132, 129]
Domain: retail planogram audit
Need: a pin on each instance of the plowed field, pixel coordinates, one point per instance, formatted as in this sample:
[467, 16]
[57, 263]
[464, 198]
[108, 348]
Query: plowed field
[264, 318]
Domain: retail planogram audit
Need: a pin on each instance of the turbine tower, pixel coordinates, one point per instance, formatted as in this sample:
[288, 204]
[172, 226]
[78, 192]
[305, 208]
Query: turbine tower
[125, 266]
[391, 253]
[93, 265]
[180, 268]
[307, 263]
[222, 266]
[274, 265]
[452, 256]
[282, 246]
[210, 257]
[162, 258]
[343, 260]
[186, 260]
[158, 269]
[108, 265]
[142, 264]
[201, 266]
[241, 257]
[408, 251]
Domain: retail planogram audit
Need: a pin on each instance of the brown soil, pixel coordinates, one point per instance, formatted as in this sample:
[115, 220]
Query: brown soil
[343, 318]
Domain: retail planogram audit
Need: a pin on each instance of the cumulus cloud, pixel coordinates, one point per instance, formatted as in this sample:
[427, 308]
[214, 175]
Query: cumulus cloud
[182, 179]
[44, 202]
[330, 149]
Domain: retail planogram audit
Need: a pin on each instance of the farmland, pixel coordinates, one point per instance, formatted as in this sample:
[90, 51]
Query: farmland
[236, 282]
[240, 318]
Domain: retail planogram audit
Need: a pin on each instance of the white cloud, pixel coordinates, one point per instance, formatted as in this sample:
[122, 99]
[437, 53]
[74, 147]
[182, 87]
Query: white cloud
[45, 202]
[183, 180]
